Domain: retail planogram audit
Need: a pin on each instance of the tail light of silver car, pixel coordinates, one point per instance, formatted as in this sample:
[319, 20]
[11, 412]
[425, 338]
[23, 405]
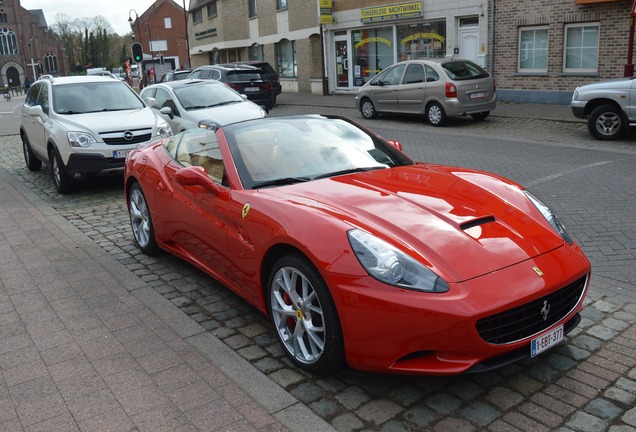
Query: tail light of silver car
[451, 90]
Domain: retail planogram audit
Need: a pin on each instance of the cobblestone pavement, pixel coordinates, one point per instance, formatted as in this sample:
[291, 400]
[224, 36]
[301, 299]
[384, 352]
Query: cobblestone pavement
[588, 384]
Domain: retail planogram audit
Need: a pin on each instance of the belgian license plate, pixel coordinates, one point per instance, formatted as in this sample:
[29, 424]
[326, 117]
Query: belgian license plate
[546, 341]
[478, 95]
[120, 154]
[251, 89]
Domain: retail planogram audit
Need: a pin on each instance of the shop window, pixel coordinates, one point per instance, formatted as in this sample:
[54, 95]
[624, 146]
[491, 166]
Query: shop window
[581, 48]
[286, 59]
[533, 49]
[256, 52]
[422, 41]
[373, 50]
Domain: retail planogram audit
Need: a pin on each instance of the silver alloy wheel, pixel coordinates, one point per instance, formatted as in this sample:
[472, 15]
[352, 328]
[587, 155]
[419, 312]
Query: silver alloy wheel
[27, 152]
[55, 168]
[368, 110]
[434, 114]
[608, 123]
[139, 217]
[297, 315]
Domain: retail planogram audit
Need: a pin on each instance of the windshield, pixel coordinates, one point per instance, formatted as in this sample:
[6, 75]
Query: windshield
[277, 150]
[206, 95]
[80, 98]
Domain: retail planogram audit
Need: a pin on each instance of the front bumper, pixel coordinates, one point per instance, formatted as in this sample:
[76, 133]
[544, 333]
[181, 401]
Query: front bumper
[80, 165]
[387, 329]
[578, 109]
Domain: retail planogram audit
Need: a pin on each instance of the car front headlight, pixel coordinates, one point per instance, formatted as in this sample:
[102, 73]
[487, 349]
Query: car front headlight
[392, 266]
[80, 139]
[553, 219]
[163, 130]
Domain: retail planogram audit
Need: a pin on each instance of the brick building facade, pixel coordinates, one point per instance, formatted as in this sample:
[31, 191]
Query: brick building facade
[27, 47]
[541, 50]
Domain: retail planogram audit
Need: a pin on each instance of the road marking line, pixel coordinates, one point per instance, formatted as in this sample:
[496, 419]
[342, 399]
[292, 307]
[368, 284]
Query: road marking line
[555, 176]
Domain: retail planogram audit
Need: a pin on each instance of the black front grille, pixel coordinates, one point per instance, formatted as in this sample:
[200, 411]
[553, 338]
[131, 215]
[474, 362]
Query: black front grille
[120, 140]
[527, 320]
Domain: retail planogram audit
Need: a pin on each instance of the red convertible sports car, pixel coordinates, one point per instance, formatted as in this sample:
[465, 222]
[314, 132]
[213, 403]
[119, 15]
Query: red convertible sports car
[359, 255]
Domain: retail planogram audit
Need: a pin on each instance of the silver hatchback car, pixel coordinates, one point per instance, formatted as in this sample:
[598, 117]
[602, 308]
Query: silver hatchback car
[436, 89]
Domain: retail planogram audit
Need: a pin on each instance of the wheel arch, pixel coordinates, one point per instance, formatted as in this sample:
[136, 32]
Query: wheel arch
[595, 103]
[269, 258]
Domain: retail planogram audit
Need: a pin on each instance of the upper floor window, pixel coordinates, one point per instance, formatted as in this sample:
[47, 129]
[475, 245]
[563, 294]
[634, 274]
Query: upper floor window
[252, 6]
[211, 9]
[167, 22]
[8, 42]
[281, 4]
[533, 49]
[3, 18]
[581, 47]
[197, 16]
[50, 63]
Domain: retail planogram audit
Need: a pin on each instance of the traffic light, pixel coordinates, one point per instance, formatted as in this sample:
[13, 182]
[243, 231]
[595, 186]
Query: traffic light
[138, 52]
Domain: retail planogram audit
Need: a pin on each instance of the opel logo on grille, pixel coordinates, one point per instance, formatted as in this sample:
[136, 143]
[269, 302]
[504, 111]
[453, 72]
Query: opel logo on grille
[545, 310]
[128, 136]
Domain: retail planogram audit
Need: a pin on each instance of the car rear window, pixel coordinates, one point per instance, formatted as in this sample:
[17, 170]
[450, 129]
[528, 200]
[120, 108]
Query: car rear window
[238, 76]
[463, 70]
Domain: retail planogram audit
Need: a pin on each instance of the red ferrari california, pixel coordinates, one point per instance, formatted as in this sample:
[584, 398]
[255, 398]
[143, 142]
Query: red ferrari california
[359, 255]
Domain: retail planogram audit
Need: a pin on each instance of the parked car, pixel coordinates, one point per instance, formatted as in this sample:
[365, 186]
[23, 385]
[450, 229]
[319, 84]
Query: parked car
[356, 253]
[246, 80]
[84, 125]
[436, 89]
[267, 71]
[607, 106]
[186, 102]
[176, 75]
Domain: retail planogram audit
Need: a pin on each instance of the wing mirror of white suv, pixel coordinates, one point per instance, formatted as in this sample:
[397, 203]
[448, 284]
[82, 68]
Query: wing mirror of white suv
[34, 111]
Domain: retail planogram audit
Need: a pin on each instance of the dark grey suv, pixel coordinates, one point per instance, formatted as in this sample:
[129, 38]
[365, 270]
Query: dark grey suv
[244, 79]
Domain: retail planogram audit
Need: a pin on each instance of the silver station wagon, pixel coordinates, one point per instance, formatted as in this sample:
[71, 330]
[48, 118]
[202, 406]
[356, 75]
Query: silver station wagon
[436, 89]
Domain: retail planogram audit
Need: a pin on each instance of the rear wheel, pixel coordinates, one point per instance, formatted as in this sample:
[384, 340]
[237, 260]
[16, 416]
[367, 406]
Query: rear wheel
[481, 115]
[140, 220]
[305, 316]
[31, 161]
[435, 114]
[368, 109]
[63, 183]
[606, 122]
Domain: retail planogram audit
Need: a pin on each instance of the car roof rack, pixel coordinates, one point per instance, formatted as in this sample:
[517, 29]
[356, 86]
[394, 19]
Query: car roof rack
[47, 77]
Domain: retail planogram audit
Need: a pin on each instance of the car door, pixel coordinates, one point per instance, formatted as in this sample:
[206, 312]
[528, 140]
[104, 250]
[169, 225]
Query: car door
[385, 90]
[35, 125]
[412, 90]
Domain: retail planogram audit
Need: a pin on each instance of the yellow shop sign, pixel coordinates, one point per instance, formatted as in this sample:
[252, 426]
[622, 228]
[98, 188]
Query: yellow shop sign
[391, 12]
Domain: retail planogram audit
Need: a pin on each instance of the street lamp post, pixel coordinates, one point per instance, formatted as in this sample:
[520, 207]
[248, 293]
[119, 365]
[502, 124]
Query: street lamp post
[152, 53]
[141, 76]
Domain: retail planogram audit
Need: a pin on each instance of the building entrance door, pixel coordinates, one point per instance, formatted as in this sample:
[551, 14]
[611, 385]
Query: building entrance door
[342, 62]
[469, 43]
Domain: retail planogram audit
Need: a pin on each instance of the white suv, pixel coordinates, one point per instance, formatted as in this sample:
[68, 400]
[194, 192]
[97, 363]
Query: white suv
[84, 125]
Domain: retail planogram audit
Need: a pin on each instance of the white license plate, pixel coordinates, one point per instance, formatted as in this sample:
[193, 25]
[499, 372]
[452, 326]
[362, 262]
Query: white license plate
[546, 341]
[251, 89]
[478, 95]
[119, 154]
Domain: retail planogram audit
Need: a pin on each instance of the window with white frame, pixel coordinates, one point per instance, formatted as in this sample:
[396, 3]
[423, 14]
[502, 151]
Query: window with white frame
[533, 49]
[8, 42]
[581, 47]
[286, 58]
[167, 22]
[252, 8]
[211, 9]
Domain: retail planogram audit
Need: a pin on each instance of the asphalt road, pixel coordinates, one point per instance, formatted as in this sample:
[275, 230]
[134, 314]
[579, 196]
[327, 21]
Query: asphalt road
[588, 384]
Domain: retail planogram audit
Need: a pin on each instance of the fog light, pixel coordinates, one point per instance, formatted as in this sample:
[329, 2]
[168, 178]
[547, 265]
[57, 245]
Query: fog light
[77, 175]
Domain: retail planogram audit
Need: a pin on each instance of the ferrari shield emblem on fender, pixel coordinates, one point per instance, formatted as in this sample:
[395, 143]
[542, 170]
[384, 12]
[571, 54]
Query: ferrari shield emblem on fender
[246, 209]
[537, 270]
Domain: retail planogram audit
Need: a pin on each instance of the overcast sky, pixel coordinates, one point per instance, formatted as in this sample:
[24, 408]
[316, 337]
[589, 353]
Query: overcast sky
[116, 12]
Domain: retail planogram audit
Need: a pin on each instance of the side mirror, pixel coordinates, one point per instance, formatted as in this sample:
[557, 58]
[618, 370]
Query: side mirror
[396, 144]
[167, 111]
[196, 176]
[35, 110]
[152, 102]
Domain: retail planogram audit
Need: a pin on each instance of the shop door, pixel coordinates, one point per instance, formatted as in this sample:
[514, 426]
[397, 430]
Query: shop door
[468, 43]
[342, 63]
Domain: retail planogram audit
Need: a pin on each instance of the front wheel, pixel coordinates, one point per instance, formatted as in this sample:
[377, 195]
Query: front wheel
[606, 122]
[31, 161]
[63, 182]
[140, 221]
[435, 114]
[305, 316]
[368, 109]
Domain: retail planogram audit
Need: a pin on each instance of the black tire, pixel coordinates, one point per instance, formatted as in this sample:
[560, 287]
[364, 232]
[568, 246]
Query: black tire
[480, 115]
[435, 114]
[63, 183]
[141, 221]
[304, 324]
[368, 109]
[31, 161]
[606, 122]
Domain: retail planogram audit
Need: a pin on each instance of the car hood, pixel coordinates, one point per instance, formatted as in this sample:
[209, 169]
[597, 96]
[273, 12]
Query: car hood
[231, 113]
[618, 83]
[463, 223]
[110, 121]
